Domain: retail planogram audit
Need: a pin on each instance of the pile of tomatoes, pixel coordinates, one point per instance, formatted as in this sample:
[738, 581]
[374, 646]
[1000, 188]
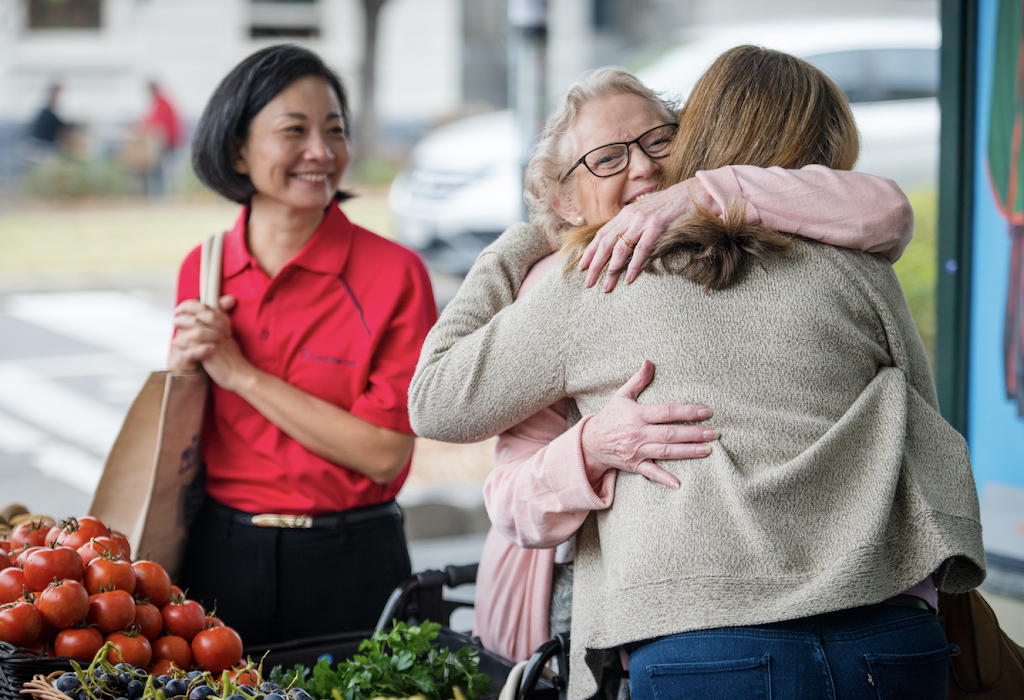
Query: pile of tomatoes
[67, 589]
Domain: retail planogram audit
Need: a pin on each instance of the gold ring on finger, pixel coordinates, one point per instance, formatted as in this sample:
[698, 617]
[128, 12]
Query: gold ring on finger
[625, 240]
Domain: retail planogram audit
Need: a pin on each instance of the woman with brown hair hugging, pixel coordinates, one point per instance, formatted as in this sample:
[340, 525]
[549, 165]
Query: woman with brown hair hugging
[801, 555]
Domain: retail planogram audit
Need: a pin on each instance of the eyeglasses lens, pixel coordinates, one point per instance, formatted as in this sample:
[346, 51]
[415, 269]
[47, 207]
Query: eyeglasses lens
[608, 160]
[612, 159]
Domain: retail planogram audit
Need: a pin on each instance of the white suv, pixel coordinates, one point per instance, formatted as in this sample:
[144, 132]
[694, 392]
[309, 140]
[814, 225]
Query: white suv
[463, 185]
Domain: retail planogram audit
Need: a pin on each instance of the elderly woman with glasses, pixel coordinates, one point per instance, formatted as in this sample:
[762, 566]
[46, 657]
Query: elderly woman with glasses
[600, 158]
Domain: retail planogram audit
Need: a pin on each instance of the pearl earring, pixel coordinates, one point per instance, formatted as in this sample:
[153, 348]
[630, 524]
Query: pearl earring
[579, 219]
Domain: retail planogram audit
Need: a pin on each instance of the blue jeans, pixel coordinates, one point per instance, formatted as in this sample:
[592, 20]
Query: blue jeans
[875, 652]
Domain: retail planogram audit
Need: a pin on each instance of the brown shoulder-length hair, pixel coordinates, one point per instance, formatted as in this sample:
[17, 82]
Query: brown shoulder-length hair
[753, 106]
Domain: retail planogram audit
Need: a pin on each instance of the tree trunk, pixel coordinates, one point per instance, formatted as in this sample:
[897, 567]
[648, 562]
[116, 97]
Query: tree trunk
[365, 144]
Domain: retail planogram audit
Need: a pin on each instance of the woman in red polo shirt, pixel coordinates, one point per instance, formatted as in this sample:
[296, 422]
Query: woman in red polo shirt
[307, 440]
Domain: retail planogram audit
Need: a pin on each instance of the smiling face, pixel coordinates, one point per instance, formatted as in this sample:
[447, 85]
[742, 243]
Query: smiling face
[615, 119]
[296, 151]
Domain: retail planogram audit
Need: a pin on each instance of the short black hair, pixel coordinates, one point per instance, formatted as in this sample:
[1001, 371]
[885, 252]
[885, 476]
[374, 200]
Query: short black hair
[240, 96]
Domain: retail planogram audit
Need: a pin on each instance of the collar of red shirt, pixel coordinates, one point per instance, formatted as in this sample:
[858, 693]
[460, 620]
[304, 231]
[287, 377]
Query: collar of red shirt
[326, 252]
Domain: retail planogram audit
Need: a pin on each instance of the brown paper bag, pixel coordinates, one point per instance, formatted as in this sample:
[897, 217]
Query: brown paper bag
[152, 482]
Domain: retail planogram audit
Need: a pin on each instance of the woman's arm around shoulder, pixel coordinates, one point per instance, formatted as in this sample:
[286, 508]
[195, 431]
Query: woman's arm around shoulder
[484, 350]
[843, 208]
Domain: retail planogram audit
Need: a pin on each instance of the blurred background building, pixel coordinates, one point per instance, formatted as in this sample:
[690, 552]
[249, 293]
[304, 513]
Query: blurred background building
[436, 59]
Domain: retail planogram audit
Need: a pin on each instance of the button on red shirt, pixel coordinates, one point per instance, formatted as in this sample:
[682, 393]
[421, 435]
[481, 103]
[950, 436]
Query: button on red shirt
[344, 321]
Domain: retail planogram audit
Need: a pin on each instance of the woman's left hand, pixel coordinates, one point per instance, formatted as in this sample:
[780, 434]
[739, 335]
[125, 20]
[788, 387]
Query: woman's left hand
[226, 365]
[629, 436]
[205, 335]
[643, 222]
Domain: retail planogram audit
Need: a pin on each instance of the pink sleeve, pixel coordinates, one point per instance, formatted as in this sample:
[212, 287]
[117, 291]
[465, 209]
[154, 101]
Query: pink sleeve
[538, 493]
[840, 207]
[513, 596]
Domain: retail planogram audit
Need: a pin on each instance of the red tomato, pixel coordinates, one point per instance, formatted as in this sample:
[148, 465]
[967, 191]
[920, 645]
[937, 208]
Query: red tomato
[173, 649]
[5, 545]
[134, 649]
[152, 583]
[12, 584]
[42, 648]
[44, 566]
[109, 574]
[31, 533]
[64, 604]
[23, 555]
[213, 621]
[52, 534]
[122, 542]
[250, 677]
[19, 624]
[112, 611]
[76, 532]
[176, 593]
[217, 649]
[5, 561]
[99, 547]
[149, 620]
[161, 667]
[81, 644]
[184, 619]
[47, 631]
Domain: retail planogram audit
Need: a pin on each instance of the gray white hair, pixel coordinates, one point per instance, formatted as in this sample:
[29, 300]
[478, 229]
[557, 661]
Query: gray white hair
[556, 144]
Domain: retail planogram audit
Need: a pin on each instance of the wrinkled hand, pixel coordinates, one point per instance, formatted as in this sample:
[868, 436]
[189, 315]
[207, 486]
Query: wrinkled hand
[643, 222]
[626, 435]
[204, 338]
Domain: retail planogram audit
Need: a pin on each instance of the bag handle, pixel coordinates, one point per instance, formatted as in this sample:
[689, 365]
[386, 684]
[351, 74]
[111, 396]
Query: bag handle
[211, 262]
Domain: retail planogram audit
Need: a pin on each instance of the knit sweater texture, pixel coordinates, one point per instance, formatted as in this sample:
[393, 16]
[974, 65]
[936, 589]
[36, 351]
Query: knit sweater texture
[835, 483]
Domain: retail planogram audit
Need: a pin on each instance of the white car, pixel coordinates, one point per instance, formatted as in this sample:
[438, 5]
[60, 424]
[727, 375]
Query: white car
[463, 185]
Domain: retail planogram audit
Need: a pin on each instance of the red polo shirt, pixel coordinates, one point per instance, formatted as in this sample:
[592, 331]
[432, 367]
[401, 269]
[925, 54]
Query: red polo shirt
[344, 321]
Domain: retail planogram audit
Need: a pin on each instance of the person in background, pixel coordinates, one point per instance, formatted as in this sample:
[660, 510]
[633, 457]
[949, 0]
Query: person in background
[48, 128]
[306, 438]
[162, 124]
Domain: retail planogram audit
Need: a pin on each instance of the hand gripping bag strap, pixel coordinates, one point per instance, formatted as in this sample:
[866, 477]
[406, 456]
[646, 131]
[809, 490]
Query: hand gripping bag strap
[151, 484]
[989, 665]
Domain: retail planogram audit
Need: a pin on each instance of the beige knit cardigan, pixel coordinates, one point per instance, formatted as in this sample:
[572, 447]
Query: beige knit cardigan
[835, 484]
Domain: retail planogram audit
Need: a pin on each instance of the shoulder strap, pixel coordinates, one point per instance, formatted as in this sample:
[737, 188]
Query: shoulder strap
[211, 262]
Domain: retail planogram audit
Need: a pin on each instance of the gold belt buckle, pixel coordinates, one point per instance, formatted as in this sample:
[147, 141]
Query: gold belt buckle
[277, 520]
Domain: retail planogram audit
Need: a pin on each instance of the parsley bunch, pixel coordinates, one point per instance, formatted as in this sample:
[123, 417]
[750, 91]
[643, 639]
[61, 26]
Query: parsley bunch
[399, 663]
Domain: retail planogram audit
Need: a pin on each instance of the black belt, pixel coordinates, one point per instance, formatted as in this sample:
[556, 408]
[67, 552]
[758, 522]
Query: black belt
[327, 521]
[908, 601]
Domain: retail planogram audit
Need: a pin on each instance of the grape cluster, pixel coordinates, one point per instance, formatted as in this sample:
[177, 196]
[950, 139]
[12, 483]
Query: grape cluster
[130, 683]
[120, 682]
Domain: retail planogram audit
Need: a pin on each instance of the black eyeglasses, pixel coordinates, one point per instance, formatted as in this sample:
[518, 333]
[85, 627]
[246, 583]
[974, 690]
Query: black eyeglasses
[613, 158]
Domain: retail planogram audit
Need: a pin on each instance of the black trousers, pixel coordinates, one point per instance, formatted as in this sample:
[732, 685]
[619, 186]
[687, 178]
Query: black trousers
[276, 584]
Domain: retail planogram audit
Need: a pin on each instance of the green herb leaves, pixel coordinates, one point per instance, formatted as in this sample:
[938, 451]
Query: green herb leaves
[398, 663]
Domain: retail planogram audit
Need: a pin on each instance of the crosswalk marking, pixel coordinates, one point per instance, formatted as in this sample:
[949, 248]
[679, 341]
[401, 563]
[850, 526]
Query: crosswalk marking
[53, 458]
[58, 410]
[64, 432]
[113, 321]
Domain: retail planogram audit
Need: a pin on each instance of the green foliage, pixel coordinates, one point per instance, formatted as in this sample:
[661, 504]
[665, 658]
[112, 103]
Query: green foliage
[299, 675]
[399, 663]
[376, 170]
[917, 270]
[63, 177]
